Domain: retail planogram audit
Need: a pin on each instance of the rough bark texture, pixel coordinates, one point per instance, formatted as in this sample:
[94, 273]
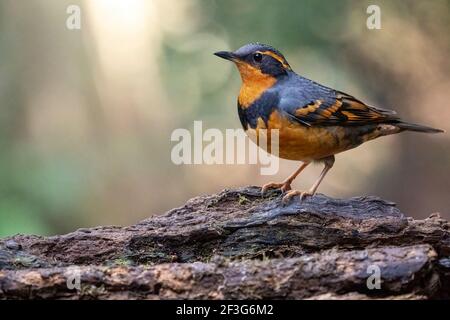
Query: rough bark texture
[240, 245]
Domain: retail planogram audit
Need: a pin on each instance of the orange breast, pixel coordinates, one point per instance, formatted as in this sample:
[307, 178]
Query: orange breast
[299, 142]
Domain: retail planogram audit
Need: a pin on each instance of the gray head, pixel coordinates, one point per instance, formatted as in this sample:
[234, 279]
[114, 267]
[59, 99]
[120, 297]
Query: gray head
[262, 57]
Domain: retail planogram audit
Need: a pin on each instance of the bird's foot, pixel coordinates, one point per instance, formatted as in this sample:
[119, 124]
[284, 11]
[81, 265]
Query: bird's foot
[293, 193]
[284, 186]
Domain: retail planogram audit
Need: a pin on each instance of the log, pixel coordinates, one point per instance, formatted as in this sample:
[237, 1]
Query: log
[238, 244]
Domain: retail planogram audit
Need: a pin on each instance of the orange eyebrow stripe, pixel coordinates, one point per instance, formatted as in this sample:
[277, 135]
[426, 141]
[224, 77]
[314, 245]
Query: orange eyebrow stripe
[277, 57]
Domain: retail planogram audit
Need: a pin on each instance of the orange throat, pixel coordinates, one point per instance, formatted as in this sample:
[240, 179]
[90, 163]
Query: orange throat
[254, 83]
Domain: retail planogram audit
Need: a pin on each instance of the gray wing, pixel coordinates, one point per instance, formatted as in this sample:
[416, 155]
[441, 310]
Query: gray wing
[310, 103]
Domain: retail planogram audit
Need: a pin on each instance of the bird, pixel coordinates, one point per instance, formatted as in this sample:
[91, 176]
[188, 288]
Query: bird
[314, 122]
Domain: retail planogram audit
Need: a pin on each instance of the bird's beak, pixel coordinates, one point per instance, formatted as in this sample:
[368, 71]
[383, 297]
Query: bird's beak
[227, 55]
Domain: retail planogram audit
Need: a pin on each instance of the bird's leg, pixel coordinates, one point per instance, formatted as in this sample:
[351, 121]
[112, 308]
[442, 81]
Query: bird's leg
[328, 162]
[286, 184]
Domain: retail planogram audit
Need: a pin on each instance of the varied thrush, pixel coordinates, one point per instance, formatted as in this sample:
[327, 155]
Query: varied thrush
[314, 122]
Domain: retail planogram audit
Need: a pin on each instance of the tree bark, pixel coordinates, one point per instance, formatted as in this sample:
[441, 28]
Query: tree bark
[240, 245]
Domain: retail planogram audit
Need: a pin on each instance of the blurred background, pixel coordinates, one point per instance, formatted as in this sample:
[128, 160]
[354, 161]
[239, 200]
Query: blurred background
[86, 115]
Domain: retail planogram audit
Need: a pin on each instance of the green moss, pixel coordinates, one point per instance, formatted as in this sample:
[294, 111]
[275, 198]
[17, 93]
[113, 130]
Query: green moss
[92, 291]
[243, 199]
[24, 261]
[122, 262]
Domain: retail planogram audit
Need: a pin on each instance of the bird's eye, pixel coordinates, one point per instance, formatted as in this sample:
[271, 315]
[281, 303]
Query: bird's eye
[257, 57]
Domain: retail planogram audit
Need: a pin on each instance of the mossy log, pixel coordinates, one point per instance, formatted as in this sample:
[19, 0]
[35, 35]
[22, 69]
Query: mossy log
[240, 245]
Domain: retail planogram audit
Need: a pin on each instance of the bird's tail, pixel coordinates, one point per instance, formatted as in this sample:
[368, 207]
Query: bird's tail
[417, 127]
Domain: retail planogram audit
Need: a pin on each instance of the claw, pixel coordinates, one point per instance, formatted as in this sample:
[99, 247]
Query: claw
[289, 195]
[306, 194]
[284, 186]
[293, 193]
